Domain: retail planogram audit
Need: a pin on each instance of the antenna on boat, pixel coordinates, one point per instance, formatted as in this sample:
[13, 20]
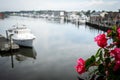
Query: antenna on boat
[24, 25]
[17, 25]
[13, 26]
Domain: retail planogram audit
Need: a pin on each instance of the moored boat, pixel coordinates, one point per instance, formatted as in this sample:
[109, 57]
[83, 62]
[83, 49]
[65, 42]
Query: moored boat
[21, 35]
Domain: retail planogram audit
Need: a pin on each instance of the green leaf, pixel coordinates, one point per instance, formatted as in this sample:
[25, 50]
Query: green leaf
[98, 61]
[98, 52]
[106, 52]
[90, 62]
[114, 28]
[93, 59]
[101, 56]
[101, 69]
[107, 61]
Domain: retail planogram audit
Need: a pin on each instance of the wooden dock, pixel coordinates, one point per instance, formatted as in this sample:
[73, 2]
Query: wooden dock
[6, 45]
[100, 27]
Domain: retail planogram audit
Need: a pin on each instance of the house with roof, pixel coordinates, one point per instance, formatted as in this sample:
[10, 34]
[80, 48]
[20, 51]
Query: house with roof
[112, 18]
[97, 17]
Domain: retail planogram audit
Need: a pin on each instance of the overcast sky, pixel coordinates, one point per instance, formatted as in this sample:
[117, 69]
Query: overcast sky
[68, 5]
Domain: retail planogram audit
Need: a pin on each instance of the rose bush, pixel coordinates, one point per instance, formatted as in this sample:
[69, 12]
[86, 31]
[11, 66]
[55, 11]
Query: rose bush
[107, 58]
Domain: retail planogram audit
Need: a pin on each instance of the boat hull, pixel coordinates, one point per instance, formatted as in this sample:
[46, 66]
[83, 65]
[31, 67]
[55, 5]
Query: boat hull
[25, 43]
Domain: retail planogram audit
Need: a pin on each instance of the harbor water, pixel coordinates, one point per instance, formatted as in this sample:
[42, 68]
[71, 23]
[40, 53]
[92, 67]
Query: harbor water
[57, 46]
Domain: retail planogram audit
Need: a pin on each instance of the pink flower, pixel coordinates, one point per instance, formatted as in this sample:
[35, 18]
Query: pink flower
[80, 67]
[116, 53]
[118, 30]
[101, 40]
[119, 36]
[109, 31]
[117, 65]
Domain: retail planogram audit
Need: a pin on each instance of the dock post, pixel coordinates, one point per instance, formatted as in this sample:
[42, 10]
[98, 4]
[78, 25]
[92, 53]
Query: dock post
[11, 42]
[7, 34]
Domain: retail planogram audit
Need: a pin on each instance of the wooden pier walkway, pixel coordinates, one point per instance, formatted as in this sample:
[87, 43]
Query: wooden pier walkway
[5, 45]
[101, 27]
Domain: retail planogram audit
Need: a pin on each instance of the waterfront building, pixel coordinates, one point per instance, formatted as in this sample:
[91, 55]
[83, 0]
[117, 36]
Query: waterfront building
[105, 18]
[1, 15]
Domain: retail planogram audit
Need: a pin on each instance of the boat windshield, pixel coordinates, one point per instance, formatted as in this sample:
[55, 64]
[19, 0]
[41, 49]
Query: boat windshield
[21, 31]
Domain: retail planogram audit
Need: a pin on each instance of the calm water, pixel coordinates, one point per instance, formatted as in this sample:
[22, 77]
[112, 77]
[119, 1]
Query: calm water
[56, 48]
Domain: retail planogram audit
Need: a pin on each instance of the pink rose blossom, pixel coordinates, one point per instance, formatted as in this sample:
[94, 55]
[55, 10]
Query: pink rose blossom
[109, 31]
[118, 36]
[117, 65]
[101, 40]
[80, 67]
[116, 53]
[118, 30]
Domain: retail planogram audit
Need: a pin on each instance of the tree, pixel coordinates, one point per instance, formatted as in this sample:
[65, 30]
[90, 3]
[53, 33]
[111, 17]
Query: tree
[88, 13]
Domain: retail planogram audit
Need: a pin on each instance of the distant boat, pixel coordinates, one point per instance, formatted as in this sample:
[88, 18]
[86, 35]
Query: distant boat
[82, 20]
[21, 35]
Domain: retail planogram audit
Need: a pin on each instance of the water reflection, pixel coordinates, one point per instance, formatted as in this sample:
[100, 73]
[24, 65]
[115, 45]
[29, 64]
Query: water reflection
[20, 55]
[56, 20]
[77, 24]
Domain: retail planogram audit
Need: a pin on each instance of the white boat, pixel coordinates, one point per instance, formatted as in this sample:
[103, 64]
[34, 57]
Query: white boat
[21, 35]
[82, 20]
